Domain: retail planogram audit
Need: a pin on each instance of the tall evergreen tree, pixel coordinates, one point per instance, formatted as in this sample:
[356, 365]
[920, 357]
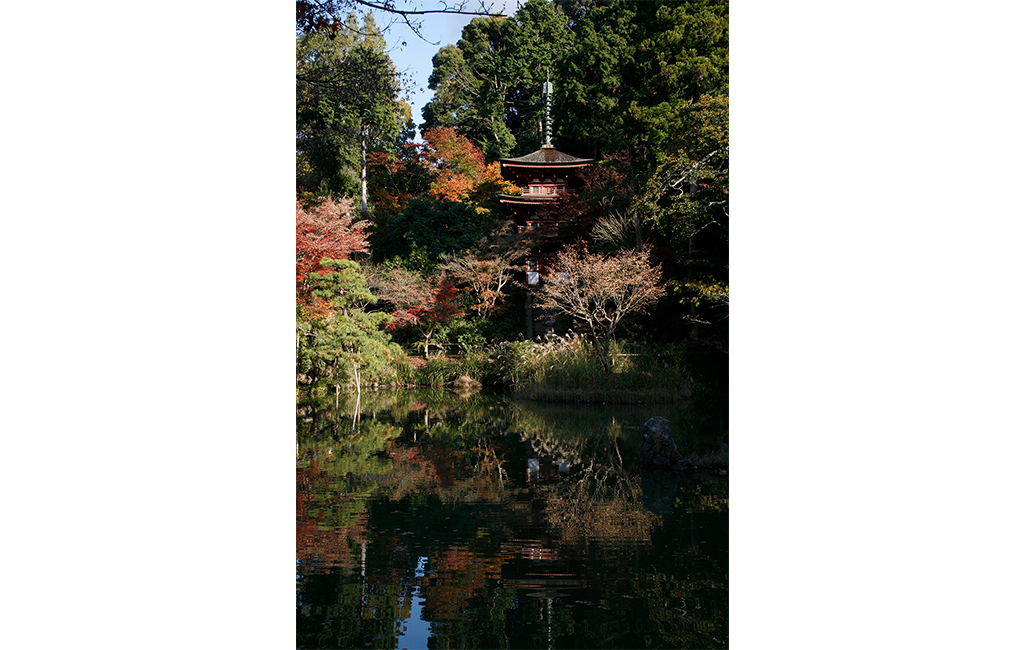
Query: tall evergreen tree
[347, 102]
[534, 42]
[683, 114]
[489, 84]
[469, 88]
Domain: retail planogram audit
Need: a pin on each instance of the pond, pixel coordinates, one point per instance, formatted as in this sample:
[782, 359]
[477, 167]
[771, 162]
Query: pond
[425, 519]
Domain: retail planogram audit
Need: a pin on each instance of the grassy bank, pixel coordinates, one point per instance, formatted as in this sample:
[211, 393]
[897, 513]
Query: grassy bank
[568, 370]
[714, 460]
[562, 370]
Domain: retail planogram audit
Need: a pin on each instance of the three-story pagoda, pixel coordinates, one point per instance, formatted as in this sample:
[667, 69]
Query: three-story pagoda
[545, 177]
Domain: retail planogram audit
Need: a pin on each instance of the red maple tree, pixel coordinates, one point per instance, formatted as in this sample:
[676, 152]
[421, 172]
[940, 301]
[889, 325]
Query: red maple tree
[326, 230]
[420, 302]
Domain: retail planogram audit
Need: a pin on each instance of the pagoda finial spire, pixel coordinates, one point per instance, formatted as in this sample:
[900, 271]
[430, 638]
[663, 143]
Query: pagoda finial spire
[547, 92]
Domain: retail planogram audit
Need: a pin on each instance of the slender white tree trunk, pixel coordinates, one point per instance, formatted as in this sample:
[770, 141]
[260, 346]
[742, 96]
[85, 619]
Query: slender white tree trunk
[362, 168]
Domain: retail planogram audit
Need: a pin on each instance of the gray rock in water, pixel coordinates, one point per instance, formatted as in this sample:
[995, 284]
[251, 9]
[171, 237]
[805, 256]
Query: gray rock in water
[658, 448]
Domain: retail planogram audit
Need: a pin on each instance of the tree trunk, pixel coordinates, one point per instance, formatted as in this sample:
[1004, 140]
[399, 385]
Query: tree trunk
[602, 351]
[693, 305]
[632, 168]
[362, 168]
[529, 316]
[359, 395]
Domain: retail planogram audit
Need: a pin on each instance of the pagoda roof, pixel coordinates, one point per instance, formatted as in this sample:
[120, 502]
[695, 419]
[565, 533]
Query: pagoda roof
[526, 198]
[545, 156]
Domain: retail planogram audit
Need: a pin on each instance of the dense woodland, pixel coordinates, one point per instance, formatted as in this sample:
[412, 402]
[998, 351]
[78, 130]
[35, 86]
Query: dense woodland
[404, 257]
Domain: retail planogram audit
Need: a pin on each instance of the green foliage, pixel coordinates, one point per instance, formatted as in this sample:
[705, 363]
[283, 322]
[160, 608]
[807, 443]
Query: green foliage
[416, 261]
[489, 84]
[508, 360]
[567, 364]
[533, 42]
[685, 201]
[427, 229]
[597, 78]
[453, 84]
[686, 54]
[469, 88]
[346, 97]
[333, 346]
[616, 65]
[688, 190]
[470, 335]
[444, 371]
[439, 371]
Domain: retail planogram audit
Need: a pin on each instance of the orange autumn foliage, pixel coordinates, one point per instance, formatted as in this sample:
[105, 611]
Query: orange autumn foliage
[446, 165]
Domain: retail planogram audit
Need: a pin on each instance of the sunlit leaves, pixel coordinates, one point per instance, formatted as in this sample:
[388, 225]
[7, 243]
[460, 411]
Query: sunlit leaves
[687, 54]
[342, 337]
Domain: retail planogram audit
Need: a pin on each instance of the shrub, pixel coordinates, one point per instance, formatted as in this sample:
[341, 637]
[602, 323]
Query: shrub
[568, 370]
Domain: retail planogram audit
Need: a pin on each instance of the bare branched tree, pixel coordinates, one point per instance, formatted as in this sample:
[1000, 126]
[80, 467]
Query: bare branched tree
[598, 291]
[330, 14]
[486, 276]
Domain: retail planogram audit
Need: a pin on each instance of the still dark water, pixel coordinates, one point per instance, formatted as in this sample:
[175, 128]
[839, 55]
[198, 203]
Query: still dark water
[438, 521]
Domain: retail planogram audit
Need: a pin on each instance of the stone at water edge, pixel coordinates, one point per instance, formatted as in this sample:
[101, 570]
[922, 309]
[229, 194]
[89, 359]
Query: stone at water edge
[658, 448]
[467, 386]
[466, 381]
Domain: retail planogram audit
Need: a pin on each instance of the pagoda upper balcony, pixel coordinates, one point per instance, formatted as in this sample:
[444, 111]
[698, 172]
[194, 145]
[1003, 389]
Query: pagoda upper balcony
[553, 189]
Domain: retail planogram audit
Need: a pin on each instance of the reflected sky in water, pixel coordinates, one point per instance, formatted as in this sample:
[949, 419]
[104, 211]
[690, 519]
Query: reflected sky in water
[415, 630]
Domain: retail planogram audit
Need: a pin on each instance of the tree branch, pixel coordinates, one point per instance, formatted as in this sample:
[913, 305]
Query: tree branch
[326, 14]
[388, 6]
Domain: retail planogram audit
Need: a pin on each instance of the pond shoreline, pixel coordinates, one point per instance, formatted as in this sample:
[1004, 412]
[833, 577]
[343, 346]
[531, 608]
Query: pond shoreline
[466, 386]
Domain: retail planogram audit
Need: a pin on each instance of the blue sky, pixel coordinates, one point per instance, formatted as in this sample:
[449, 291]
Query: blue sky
[414, 57]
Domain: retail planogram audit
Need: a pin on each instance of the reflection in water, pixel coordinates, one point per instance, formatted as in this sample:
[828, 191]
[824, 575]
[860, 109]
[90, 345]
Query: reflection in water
[416, 629]
[659, 488]
[476, 521]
